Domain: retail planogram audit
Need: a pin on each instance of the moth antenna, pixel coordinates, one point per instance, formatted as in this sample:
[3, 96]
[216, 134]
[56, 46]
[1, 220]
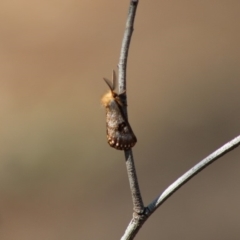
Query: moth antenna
[110, 85]
[114, 80]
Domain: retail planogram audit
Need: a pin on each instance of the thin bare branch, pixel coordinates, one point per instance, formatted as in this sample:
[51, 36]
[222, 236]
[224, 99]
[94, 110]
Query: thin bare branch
[141, 213]
[122, 67]
[134, 225]
[192, 172]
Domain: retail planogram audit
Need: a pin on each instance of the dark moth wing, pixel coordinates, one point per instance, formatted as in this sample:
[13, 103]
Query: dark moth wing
[119, 131]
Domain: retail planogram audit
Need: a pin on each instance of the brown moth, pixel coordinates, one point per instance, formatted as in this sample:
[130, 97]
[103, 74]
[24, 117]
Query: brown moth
[119, 132]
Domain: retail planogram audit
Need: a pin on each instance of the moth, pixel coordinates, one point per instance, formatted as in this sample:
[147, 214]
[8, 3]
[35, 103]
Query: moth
[119, 132]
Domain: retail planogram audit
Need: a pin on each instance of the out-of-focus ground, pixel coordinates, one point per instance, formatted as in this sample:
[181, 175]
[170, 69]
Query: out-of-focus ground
[58, 177]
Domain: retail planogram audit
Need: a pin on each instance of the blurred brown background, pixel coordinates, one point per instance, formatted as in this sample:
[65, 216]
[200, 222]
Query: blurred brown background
[58, 177]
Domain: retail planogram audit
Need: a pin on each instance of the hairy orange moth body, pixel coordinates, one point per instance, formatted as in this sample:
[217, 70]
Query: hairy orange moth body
[119, 132]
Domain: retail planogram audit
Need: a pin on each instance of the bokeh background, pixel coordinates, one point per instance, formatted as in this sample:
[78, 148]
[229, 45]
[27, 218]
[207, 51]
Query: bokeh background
[58, 177]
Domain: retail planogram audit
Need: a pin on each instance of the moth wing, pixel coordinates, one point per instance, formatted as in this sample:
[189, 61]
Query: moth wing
[119, 131]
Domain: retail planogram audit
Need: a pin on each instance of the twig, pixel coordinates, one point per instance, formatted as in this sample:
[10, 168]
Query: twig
[122, 67]
[134, 226]
[141, 213]
[192, 172]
